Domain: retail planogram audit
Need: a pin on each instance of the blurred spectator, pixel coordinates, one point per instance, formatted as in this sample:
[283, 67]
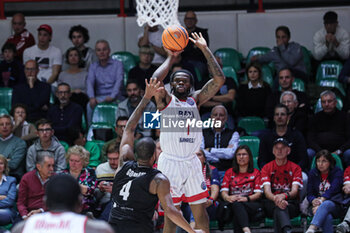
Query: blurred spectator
[127, 107]
[48, 57]
[344, 77]
[32, 186]
[252, 97]
[105, 79]
[79, 36]
[34, 93]
[75, 76]
[78, 159]
[330, 129]
[286, 55]
[46, 143]
[21, 38]
[65, 114]
[145, 68]
[332, 41]
[297, 147]
[221, 142]
[344, 226]
[281, 180]
[297, 118]
[21, 128]
[11, 69]
[152, 36]
[119, 129]
[8, 193]
[12, 147]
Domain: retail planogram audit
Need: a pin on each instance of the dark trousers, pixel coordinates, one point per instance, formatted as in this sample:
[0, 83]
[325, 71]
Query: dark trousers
[281, 217]
[241, 212]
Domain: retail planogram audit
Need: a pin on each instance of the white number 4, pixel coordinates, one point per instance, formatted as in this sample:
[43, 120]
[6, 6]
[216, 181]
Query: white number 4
[124, 192]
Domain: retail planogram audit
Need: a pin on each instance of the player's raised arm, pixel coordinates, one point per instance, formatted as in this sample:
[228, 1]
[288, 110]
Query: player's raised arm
[127, 143]
[218, 79]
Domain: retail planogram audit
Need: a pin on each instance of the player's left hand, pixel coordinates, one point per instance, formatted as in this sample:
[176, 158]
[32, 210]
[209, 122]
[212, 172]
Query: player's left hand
[198, 40]
[152, 87]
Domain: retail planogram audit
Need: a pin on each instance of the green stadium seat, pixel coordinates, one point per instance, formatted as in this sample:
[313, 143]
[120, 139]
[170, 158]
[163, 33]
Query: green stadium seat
[90, 134]
[65, 145]
[3, 111]
[338, 162]
[318, 106]
[328, 70]
[230, 72]
[259, 51]
[297, 221]
[307, 60]
[105, 113]
[253, 143]
[230, 57]
[267, 75]
[100, 143]
[334, 84]
[251, 124]
[5, 98]
[127, 58]
[298, 84]
[83, 122]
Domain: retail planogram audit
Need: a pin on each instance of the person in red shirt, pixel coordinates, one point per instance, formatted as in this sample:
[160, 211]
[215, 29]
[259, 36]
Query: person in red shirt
[21, 38]
[344, 226]
[281, 180]
[241, 187]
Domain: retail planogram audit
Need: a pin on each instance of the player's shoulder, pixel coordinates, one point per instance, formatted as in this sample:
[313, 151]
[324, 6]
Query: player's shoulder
[100, 226]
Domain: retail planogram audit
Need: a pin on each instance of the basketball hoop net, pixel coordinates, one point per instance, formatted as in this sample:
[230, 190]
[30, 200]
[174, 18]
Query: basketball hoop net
[157, 12]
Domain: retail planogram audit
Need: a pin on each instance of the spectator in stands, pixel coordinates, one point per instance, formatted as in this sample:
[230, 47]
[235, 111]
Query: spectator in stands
[46, 143]
[75, 76]
[285, 80]
[298, 150]
[221, 142]
[78, 159]
[12, 147]
[21, 38]
[105, 79]
[145, 68]
[344, 77]
[75, 136]
[152, 36]
[297, 118]
[105, 175]
[252, 97]
[241, 188]
[191, 53]
[332, 41]
[79, 36]
[21, 128]
[281, 180]
[34, 93]
[285, 55]
[344, 226]
[31, 188]
[330, 129]
[11, 69]
[120, 125]
[8, 193]
[48, 57]
[127, 107]
[324, 192]
[65, 114]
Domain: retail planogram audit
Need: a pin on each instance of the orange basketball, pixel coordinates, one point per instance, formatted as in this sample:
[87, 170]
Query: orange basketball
[175, 38]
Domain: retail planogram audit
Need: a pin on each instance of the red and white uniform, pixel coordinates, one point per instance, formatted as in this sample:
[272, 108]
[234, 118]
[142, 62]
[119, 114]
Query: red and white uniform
[22, 41]
[178, 160]
[62, 222]
[281, 178]
[347, 176]
[244, 184]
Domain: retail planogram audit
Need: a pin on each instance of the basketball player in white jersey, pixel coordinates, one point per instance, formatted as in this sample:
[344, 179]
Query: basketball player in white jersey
[63, 200]
[178, 161]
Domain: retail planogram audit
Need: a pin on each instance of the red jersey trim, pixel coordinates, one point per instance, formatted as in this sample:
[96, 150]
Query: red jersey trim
[196, 197]
[167, 104]
[85, 224]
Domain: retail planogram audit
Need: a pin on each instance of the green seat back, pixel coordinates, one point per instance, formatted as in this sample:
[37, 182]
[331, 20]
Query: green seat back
[256, 51]
[298, 84]
[328, 70]
[99, 143]
[105, 113]
[198, 74]
[267, 74]
[83, 122]
[5, 98]
[230, 57]
[127, 58]
[318, 106]
[307, 60]
[253, 143]
[333, 83]
[294, 221]
[230, 72]
[90, 134]
[251, 124]
[338, 162]
[3, 111]
[65, 145]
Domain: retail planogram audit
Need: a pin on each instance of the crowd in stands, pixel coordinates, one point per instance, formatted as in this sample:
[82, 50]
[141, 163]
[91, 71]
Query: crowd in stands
[303, 146]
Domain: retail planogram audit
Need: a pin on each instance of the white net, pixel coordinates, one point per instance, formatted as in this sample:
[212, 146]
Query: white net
[157, 12]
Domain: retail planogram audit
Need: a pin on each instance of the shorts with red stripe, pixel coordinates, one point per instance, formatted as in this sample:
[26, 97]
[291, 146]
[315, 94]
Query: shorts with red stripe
[186, 179]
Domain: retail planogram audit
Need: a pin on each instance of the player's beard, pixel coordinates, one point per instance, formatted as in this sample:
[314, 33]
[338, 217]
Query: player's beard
[182, 95]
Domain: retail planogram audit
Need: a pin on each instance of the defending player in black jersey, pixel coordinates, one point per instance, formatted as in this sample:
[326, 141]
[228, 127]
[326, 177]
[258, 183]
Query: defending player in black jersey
[137, 186]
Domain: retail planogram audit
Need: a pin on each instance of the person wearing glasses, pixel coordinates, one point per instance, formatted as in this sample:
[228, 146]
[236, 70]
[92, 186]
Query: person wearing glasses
[34, 93]
[46, 142]
[65, 114]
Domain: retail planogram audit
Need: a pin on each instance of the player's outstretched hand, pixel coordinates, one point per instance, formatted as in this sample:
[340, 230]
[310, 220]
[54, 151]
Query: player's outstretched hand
[198, 40]
[152, 87]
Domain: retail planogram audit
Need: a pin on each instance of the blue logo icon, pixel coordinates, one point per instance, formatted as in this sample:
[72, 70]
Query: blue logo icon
[151, 120]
